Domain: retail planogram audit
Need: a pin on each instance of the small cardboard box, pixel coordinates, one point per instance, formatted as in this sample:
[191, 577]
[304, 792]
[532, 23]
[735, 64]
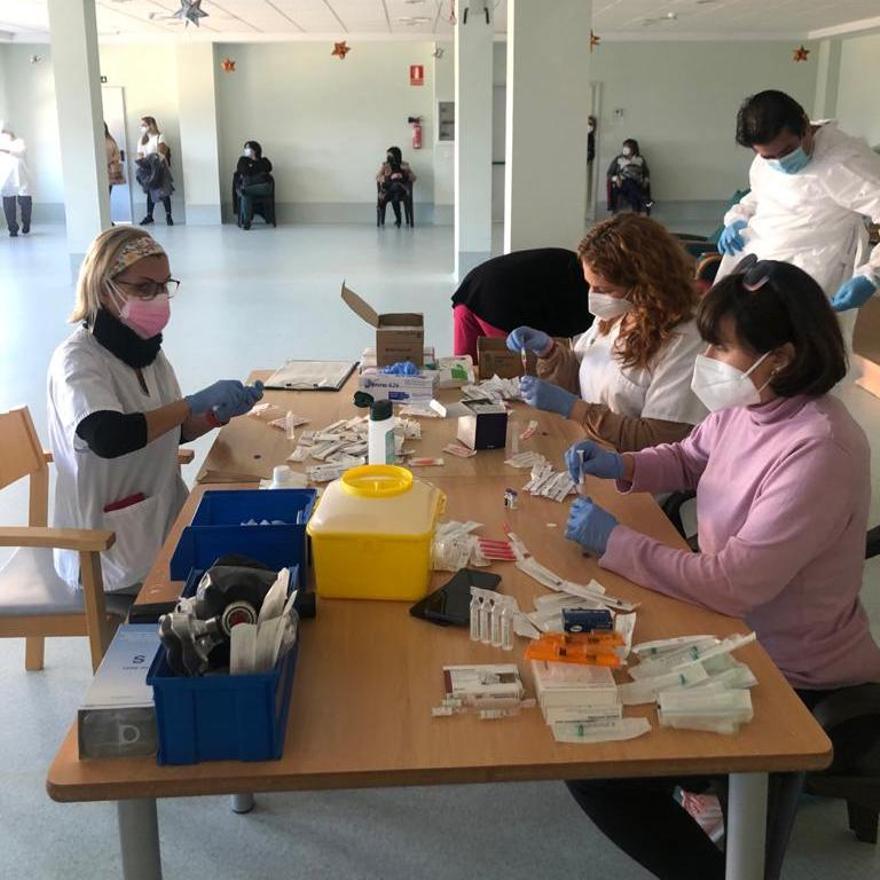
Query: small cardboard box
[495, 359]
[399, 336]
[485, 427]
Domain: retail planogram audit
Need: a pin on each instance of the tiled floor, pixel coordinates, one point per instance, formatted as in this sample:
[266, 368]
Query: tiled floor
[249, 300]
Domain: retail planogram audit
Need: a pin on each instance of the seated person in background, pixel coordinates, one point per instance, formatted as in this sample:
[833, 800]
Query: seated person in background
[705, 271]
[252, 180]
[629, 179]
[781, 474]
[627, 380]
[542, 288]
[395, 179]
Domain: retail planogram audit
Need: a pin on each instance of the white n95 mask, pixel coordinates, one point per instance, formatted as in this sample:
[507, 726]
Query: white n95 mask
[719, 385]
[607, 307]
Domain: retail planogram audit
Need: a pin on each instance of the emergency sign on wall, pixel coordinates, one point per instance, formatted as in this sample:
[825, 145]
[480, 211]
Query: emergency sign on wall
[417, 74]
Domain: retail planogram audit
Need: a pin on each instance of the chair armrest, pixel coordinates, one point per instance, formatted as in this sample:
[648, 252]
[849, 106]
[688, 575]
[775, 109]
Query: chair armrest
[94, 540]
[847, 703]
[185, 456]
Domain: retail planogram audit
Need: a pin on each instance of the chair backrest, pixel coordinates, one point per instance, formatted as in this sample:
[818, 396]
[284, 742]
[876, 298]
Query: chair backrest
[21, 453]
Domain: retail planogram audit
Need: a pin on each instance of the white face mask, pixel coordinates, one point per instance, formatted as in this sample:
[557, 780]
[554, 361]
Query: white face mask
[144, 129]
[719, 385]
[248, 153]
[627, 151]
[607, 307]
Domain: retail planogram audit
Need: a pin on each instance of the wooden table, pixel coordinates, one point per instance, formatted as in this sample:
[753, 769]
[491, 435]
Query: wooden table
[369, 674]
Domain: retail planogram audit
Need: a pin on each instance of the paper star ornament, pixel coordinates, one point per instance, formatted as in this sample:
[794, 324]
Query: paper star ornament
[340, 50]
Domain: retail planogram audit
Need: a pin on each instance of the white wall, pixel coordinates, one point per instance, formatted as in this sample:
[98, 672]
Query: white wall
[29, 109]
[680, 102]
[444, 152]
[148, 73]
[325, 123]
[858, 98]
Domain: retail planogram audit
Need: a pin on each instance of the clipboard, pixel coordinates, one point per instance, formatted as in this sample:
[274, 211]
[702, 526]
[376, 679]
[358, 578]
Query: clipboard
[311, 375]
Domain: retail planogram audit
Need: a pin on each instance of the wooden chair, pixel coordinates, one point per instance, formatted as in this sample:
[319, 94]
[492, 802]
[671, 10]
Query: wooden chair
[34, 601]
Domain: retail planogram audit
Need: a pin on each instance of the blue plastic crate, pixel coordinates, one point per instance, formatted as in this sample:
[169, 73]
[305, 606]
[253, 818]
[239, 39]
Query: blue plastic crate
[216, 530]
[221, 717]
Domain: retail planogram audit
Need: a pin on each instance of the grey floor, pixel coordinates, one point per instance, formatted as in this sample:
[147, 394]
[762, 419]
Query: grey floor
[247, 301]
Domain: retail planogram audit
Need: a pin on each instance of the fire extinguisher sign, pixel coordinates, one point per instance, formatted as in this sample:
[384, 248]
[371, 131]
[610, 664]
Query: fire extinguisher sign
[417, 74]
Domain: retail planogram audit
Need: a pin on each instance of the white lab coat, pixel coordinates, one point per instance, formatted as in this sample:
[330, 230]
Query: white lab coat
[813, 219]
[84, 378]
[14, 176]
[660, 391]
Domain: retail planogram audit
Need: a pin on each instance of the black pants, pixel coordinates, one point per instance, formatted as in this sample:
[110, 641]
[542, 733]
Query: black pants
[25, 205]
[642, 817]
[151, 204]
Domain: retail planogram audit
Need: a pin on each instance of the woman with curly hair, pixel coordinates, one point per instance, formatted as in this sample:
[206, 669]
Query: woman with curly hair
[627, 380]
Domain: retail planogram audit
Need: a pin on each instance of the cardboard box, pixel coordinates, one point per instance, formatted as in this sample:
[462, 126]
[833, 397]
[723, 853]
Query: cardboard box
[399, 336]
[495, 359]
[399, 389]
[485, 427]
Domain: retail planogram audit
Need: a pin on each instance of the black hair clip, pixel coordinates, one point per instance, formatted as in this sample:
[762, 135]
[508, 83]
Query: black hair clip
[756, 273]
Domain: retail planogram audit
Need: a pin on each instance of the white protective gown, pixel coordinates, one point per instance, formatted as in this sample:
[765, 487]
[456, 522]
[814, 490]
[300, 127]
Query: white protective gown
[84, 378]
[14, 177]
[660, 391]
[813, 219]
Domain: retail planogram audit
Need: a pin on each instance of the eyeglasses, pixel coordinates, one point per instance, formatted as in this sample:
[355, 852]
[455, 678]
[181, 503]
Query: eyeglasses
[151, 289]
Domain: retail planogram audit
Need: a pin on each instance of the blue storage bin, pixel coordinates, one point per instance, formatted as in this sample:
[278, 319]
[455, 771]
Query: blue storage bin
[221, 717]
[216, 530]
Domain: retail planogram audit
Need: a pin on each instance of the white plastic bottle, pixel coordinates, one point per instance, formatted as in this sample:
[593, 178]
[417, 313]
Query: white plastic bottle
[381, 433]
[282, 477]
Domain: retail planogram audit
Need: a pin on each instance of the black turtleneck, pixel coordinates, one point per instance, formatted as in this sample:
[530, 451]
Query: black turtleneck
[110, 434]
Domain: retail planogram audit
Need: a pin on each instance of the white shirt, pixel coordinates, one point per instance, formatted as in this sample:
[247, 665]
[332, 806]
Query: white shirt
[84, 378]
[14, 177]
[660, 391]
[152, 144]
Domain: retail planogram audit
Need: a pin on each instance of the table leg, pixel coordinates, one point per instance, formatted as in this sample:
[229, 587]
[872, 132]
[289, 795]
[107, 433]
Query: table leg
[747, 826]
[139, 839]
[242, 803]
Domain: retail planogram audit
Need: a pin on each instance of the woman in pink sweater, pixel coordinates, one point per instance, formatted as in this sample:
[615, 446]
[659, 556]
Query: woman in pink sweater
[781, 472]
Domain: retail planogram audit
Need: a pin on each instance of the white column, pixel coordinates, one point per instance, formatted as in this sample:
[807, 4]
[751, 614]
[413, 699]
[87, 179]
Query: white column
[77, 73]
[827, 79]
[443, 82]
[198, 132]
[548, 101]
[473, 138]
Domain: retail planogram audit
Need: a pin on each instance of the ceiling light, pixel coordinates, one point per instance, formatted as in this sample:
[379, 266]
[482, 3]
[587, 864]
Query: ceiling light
[413, 19]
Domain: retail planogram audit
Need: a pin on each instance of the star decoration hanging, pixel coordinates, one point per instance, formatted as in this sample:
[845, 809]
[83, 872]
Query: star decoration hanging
[594, 41]
[438, 52]
[801, 54]
[190, 11]
[228, 65]
[340, 50]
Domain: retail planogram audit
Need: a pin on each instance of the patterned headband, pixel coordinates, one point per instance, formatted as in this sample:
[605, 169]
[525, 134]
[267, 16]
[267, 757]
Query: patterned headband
[134, 250]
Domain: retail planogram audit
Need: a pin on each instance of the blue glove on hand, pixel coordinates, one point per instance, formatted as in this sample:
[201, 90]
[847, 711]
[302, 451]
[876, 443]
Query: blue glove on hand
[589, 525]
[597, 462]
[226, 411]
[529, 339]
[544, 395]
[853, 293]
[227, 393]
[730, 241]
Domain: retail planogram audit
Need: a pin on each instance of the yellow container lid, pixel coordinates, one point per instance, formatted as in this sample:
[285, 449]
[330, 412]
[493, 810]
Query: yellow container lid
[378, 500]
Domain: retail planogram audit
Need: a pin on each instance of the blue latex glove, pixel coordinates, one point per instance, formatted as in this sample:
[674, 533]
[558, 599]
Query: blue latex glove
[852, 294]
[227, 393]
[544, 395]
[401, 368]
[226, 411]
[529, 339]
[730, 241]
[589, 525]
[598, 462]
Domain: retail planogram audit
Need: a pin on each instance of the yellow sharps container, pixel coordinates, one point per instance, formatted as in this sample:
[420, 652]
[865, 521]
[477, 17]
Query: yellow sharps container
[372, 534]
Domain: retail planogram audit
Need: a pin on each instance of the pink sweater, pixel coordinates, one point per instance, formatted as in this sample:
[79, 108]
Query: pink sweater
[783, 491]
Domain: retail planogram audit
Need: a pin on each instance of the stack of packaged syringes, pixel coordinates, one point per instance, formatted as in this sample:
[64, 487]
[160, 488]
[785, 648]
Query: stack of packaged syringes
[695, 682]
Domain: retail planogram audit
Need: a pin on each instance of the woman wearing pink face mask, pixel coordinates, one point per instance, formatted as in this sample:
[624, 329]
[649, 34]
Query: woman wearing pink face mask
[116, 413]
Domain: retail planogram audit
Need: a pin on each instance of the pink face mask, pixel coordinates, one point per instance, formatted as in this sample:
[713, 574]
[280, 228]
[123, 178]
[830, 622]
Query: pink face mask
[147, 317]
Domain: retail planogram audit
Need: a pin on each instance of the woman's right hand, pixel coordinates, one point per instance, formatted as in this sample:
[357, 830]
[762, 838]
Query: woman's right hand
[529, 339]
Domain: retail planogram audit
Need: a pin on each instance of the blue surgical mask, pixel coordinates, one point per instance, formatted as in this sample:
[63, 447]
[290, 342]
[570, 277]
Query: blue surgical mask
[791, 163]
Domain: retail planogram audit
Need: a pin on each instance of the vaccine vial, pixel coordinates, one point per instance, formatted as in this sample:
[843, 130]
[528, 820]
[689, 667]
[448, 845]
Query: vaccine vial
[507, 627]
[485, 634]
[495, 624]
[475, 618]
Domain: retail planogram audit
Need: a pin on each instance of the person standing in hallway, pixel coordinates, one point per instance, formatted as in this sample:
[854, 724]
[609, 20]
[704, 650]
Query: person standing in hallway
[811, 186]
[115, 175]
[153, 142]
[14, 181]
